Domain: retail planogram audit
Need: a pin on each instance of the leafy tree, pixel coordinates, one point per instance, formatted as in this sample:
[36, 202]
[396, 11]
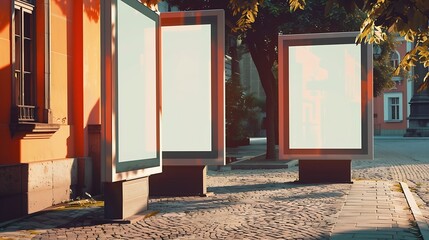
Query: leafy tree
[275, 17]
[383, 70]
[258, 23]
[406, 18]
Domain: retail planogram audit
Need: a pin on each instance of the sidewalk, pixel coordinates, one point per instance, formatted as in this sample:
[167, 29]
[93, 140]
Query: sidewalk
[375, 210]
[277, 208]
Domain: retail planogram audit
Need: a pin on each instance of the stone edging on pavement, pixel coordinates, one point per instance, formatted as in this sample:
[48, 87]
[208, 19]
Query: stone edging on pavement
[415, 210]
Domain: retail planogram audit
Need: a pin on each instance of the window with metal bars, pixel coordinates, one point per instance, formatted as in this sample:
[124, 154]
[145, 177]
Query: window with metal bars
[24, 74]
[30, 110]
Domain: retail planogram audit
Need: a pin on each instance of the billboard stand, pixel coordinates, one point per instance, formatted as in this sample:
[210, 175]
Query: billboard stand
[125, 198]
[325, 171]
[325, 104]
[193, 122]
[131, 105]
[179, 181]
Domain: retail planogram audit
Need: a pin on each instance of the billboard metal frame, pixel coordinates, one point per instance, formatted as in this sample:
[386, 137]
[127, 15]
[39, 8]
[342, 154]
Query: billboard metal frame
[216, 19]
[285, 151]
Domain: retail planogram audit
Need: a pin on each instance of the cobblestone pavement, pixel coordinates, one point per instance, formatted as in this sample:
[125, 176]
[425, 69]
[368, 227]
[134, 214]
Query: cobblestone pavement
[29, 227]
[256, 204]
[244, 206]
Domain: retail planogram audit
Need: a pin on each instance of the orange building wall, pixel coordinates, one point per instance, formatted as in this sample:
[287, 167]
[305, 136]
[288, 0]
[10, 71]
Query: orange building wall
[61, 59]
[60, 145]
[74, 76]
[9, 150]
[91, 61]
[86, 67]
[40, 58]
[57, 162]
[5, 63]
[91, 66]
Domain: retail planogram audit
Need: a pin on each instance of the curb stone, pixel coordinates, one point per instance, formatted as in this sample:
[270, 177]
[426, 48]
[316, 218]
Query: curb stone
[415, 210]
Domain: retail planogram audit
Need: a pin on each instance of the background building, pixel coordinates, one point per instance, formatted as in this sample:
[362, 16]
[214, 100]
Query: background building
[250, 77]
[391, 108]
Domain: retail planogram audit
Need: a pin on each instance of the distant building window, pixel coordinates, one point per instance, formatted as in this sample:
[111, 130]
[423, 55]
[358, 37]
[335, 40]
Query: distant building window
[394, 59]
[24, 76]
[393, 107]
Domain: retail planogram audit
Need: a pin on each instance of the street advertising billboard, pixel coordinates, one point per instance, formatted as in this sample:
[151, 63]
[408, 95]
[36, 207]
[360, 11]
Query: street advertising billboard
[325, 97]
[193, 118]
[131, 90]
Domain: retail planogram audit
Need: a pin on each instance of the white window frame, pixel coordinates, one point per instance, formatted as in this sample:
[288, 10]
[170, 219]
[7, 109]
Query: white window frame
[387, 106]
[395, 65]
[393, 60]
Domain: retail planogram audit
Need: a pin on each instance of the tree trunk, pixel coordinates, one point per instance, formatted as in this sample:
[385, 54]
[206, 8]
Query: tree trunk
[264, 65]
[270, 126]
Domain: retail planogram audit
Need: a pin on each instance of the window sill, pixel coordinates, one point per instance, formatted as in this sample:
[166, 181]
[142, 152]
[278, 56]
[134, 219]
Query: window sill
[33, 129]
[392, 121]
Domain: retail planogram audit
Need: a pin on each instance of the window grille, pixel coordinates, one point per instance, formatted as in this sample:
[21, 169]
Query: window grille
[24, 75]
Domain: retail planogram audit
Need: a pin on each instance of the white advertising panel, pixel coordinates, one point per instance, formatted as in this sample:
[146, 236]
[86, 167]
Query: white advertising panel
[325, 97]
[186, 71]
[193, 125]
[131, 93]
[318, 89]
[137, 93]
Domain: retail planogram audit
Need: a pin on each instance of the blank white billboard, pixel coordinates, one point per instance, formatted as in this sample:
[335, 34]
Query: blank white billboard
[137, 92]
[325, 97]
[186, 88]
[130, 91]
[193, 82]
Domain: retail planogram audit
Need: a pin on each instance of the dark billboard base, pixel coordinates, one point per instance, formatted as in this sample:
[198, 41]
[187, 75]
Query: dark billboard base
[325, 171]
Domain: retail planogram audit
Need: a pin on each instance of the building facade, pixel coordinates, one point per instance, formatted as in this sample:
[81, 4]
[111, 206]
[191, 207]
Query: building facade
[50, 102]
[391, 108]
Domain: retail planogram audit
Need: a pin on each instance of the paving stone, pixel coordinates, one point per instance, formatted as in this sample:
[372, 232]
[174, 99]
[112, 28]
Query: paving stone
[353, 219]
[266, 204]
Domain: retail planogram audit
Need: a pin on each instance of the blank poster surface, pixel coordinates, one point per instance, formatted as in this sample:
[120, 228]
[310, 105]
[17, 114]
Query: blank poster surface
[186, 88]
[137, 92]
[325, 97]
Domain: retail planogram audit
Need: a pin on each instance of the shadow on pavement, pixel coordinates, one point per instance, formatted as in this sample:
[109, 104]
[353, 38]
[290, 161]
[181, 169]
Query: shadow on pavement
[320, 195]
[187, 205]
[261, 187]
